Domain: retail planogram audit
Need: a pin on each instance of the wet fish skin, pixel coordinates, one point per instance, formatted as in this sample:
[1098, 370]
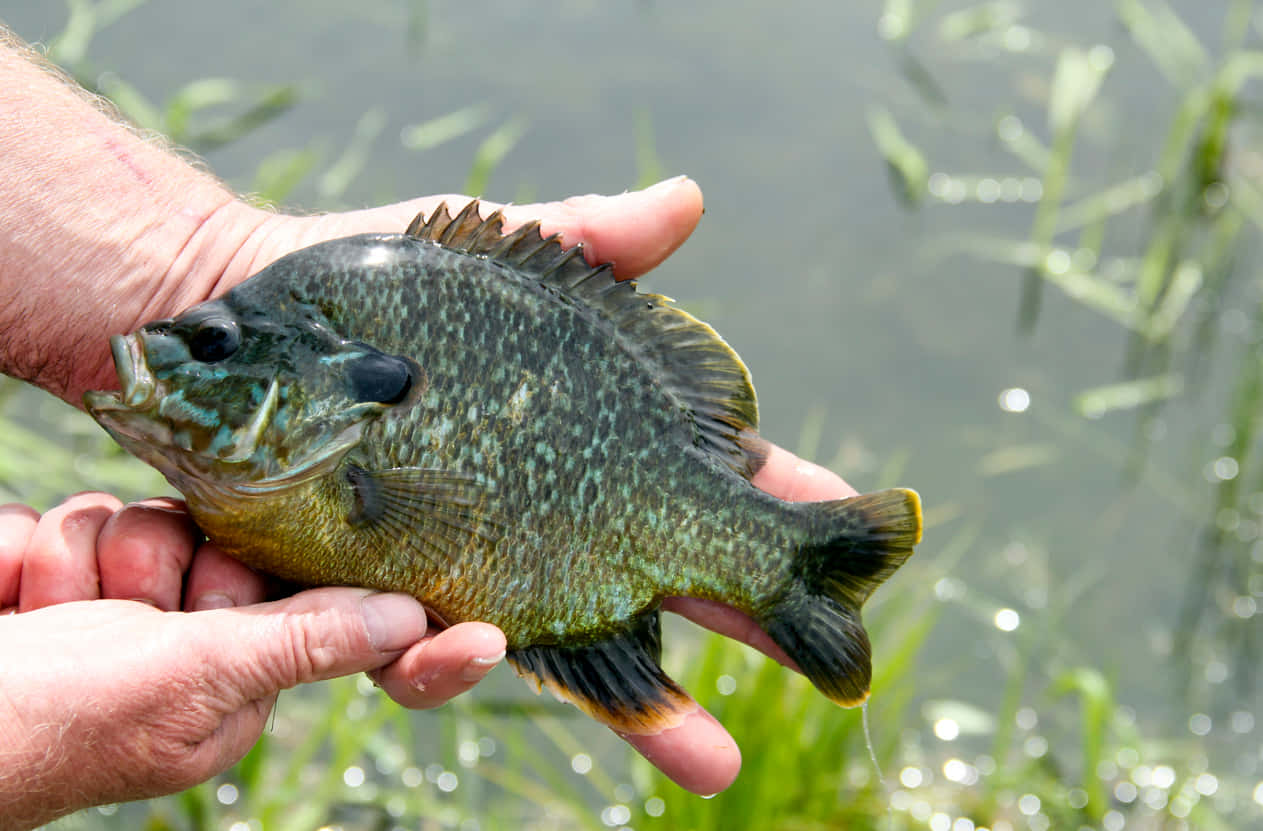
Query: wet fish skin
[484, 422]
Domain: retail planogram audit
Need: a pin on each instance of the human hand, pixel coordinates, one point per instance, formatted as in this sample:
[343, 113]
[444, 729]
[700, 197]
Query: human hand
[126, 697]
[635, 231]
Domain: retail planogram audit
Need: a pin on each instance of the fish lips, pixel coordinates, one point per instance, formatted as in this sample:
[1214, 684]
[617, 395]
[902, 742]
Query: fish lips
[128, 415]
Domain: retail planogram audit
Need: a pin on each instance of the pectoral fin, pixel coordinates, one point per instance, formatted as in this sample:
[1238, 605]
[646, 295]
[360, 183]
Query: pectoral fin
[433, 514]
[616, 681]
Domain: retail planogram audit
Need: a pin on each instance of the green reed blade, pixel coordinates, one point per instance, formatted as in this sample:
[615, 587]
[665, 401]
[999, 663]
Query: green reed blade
[907, 166]
[430, 134]
[491, 152]
[343, 172]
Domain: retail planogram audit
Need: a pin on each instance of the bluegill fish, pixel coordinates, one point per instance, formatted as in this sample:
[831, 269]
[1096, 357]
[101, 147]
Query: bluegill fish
[484, 421]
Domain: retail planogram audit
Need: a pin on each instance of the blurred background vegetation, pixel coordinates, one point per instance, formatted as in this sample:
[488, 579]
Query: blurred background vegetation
[1017, 244]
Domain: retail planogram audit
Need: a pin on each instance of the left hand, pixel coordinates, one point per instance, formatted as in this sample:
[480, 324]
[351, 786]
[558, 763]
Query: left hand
[127, 697]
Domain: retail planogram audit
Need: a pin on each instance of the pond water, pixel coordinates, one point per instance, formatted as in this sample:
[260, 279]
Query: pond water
[877, 346]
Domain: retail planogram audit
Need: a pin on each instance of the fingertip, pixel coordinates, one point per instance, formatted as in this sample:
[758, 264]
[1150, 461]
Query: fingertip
[639, 229]
[60, 561]
[216, 581]
[699, 755]
[17, 524]
[393, 621]
[443, 666]
[144, 550]
[793, 479]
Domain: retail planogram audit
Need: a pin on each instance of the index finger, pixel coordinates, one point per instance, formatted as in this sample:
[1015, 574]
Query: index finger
[635, 231]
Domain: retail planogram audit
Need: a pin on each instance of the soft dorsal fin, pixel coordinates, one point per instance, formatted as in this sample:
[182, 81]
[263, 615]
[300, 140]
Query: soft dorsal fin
[695, 364]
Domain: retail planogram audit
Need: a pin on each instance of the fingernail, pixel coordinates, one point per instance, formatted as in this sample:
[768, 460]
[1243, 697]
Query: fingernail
[667, 184]
[393, 621]
[477, 668]
[213, 600]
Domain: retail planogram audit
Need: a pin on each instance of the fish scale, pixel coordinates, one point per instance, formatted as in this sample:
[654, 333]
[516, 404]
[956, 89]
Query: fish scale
[482, 420]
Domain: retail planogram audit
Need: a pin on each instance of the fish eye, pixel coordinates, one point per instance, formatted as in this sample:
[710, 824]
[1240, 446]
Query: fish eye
[385, 379]
[214, 339]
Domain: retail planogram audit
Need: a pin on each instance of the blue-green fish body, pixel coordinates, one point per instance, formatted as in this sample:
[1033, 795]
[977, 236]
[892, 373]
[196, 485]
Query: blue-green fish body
[484, 421]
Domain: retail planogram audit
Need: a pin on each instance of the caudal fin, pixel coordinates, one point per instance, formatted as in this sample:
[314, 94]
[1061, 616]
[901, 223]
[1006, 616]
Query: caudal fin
[863, 540]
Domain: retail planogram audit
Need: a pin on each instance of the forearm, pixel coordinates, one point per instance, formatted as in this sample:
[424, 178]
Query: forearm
[28, 797]
[100, 228]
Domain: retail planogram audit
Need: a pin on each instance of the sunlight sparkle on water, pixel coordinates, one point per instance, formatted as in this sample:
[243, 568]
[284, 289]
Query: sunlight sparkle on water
[1223, 469]
[581, 763]
[946, 729]
[911, 777]
[227, 794]
[1015, 400]
[1035, 747]
[1057, 262]
[1199, 724]
[616, 815]
[655, 806]
[960, 772]
[1006, 620]
[353, 776]
[726, 684]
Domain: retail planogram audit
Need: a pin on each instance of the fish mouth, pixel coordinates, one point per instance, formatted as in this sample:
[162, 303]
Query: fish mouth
[137, 385]
[130, 415]
[136, 414]
[144, 416]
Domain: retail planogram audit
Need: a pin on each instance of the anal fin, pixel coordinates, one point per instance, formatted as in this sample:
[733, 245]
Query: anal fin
[616, 681]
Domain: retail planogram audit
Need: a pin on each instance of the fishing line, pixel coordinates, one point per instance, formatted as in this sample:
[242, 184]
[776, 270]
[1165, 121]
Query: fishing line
[872, 756]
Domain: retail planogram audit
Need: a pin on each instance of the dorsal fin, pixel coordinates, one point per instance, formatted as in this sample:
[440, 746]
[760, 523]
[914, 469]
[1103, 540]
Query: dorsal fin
[696, 365]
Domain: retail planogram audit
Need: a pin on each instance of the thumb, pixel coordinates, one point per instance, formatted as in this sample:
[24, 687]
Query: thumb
[314, 635]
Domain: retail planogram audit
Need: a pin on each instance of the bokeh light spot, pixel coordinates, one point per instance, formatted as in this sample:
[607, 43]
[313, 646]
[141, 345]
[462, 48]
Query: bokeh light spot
[1007, 620]
[1015, 400]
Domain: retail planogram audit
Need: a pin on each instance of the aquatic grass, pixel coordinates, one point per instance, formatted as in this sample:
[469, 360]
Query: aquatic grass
[85, 18]
[1163, 251]
[342, 173]
[39, 469]
[648, 164]
[904, 162]
[491, 152]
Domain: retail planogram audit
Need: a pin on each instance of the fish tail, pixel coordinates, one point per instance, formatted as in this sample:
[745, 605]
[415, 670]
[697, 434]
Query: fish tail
[861, 542]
